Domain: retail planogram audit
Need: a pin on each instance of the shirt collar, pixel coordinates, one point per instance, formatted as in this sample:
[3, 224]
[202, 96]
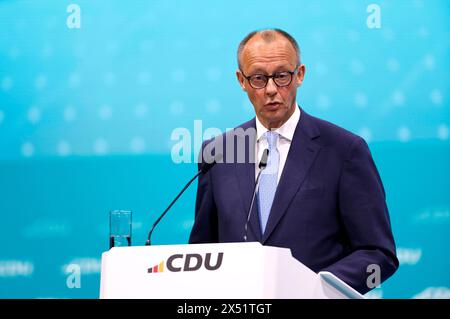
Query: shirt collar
[285, 131]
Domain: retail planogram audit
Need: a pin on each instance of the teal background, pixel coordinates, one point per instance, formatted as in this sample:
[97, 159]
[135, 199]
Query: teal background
[86, 117]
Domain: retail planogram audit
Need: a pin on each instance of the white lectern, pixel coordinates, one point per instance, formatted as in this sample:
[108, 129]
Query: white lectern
[214, 271]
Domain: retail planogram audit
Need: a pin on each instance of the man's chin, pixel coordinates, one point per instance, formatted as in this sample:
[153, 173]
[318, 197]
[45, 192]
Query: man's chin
[276, 116]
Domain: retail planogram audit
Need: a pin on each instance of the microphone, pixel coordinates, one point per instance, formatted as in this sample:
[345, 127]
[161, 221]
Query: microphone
[262, 166]
[203, 170]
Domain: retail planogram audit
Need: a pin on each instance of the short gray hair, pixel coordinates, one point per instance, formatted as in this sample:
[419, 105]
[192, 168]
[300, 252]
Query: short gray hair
[268, 35]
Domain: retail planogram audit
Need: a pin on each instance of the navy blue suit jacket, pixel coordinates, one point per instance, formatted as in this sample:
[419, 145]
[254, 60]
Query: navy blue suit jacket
[329, 207]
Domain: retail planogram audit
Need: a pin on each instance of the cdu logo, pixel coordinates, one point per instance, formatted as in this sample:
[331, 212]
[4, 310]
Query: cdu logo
[157, 268]
[188, 262]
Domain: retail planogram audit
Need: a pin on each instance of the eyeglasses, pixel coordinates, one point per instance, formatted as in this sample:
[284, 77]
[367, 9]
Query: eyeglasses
[259, 81]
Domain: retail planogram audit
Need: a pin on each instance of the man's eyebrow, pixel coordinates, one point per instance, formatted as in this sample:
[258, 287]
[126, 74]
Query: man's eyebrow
[258, 71]
[280, 68]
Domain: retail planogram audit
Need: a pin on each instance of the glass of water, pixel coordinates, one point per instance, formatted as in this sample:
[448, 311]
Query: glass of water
[119, 228]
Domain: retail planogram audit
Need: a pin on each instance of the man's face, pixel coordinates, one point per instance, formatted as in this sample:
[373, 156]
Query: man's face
[273, 105]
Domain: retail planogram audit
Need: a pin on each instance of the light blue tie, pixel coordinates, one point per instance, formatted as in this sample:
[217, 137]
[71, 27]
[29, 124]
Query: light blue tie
[268, 180]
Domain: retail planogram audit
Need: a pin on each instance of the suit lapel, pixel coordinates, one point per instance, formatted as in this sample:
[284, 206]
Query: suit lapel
[302, 154]
[245, 174]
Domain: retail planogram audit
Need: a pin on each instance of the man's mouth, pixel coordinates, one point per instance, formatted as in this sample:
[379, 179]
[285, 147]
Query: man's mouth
[273, 106]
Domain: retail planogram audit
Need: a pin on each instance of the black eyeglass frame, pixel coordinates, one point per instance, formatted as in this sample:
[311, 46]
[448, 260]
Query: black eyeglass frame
[268, 77]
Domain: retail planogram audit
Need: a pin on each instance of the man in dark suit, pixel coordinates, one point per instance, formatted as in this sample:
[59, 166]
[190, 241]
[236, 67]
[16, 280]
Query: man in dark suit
[320, 194]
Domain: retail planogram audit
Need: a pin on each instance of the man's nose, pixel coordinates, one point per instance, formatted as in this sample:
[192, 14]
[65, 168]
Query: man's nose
[271, 87]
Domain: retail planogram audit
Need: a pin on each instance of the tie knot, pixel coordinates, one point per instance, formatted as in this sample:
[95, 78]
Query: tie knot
[272, 138]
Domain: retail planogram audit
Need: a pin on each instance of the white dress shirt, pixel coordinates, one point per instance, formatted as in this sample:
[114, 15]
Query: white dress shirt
[286, 133]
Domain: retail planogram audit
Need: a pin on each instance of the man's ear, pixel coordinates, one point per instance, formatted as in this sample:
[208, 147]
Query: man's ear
[300, 75]
[241, 80]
